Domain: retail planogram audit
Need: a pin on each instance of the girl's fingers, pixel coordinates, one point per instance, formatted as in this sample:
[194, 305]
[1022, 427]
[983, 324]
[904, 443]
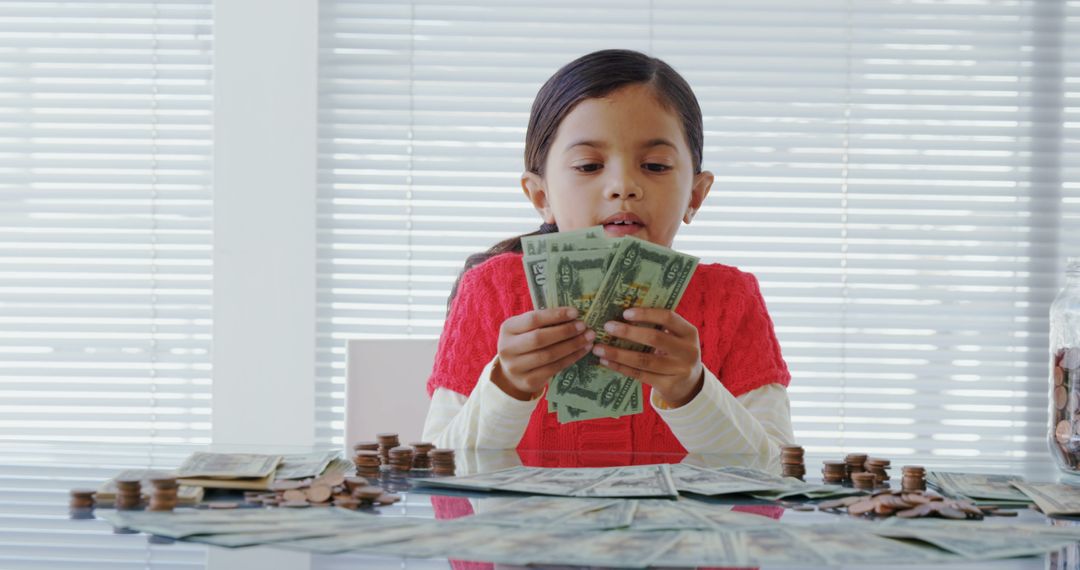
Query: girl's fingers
[666, 318]
[536, 339]
[641, 361]
[544, 373]
[664, 343]
[531, 361]
[526, 322]
[636, 373]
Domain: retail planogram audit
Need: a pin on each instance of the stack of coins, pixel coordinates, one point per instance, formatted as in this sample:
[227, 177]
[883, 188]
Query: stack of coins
[442, 461]
[856, 463]
[864, 480]
[791, 461]
[367, 463]
[128, 494]
[834, 472]
[164, 496]
[401, 458]
[914, 478]
[82, 499]
[879, 468]
[421, 459]
[366, 446]
[387, 441]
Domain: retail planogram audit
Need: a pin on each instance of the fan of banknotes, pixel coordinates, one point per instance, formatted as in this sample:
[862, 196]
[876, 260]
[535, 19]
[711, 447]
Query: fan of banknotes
[600, 277]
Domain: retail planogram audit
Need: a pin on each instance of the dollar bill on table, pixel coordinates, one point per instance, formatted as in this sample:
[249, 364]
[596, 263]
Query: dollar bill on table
[185, 495]
[704, 481]
[597, 514]
[976, 541]
[187, 523]
[599, 482]
[304, 465]
[851, 544]
[392, 530]
[698, 548]
[228, 470]
[979, 488]
[1053, 498]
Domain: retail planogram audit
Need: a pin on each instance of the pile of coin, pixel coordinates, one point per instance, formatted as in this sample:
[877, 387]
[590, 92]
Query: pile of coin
[342, 491]
[82, 499]
[387, 441]
[367, 463]
[164, 497]
[1066, 410]
[128, 494]
[401, 458]
[442, 461]
[916, 504]
[864, 481]
[834, 472]
[879, 467]
[914, 478]
[421, 459]
[792, 461]
[856, 463]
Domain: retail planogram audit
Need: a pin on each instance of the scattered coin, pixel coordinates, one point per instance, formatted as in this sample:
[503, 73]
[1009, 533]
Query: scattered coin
[318, 493]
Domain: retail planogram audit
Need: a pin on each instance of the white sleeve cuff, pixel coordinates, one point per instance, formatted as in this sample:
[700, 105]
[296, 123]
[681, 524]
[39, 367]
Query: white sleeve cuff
[715, 421]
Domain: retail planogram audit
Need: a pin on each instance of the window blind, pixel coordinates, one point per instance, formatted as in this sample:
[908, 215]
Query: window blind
[896, 174]
[105, 253]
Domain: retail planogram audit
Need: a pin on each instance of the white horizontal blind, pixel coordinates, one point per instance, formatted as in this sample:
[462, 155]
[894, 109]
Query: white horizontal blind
[891, 171]
[105, 254]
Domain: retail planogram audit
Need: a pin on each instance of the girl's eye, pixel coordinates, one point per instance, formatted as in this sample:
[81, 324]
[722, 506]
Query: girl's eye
[592, 167]
[657, 167]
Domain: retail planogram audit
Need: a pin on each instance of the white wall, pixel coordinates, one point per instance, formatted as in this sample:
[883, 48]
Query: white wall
[266, 53]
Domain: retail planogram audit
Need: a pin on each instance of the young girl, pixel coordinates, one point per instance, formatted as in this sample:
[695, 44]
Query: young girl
[614, 139]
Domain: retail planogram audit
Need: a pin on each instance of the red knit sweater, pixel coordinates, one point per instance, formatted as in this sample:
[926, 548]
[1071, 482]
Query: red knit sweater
[738, 345]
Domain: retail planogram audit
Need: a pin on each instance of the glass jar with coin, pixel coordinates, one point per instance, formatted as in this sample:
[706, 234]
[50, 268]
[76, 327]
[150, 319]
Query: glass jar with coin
[1065, 372]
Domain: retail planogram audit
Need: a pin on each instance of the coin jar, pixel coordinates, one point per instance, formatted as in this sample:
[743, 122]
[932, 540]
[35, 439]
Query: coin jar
[1064, 433]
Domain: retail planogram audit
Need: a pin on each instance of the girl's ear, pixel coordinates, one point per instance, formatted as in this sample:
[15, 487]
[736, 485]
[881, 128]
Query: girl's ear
[536, 191]
[702, 184]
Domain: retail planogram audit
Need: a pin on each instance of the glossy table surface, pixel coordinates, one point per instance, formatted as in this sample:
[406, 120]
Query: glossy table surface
[38, 531]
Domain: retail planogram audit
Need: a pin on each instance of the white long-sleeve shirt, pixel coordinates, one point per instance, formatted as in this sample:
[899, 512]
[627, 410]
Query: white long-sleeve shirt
[715, 421]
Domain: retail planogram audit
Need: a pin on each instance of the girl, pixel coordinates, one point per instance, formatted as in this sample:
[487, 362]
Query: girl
[614, 138]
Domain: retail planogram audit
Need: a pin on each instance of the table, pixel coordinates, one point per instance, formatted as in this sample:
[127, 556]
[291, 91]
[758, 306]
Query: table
[37, 531]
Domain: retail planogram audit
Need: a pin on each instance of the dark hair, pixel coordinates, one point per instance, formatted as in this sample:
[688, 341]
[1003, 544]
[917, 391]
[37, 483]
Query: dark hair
[591, 76]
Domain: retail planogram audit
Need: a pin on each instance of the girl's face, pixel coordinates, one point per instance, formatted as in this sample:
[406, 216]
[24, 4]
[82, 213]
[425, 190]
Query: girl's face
[622, 162]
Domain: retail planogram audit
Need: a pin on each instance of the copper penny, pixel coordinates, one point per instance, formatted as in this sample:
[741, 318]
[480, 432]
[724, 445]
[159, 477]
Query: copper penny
[318, 493]
[295, 495]
[1064, 431]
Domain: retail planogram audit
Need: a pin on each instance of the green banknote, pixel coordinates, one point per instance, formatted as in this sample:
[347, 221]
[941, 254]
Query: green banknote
[641, 274]
[535, 255]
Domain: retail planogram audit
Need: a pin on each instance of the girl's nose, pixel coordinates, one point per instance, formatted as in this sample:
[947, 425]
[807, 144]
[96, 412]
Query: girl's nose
[623, 187]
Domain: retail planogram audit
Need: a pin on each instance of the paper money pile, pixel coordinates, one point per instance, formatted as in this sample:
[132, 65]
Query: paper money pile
[638, 481]
[600, 277]
[633, 533]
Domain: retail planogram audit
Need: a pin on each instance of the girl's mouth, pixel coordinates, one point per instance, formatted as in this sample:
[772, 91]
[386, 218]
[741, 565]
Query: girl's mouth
[622, 224]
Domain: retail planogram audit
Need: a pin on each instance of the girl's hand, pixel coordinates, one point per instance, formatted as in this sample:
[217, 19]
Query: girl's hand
[674, 366]
[535, 346]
